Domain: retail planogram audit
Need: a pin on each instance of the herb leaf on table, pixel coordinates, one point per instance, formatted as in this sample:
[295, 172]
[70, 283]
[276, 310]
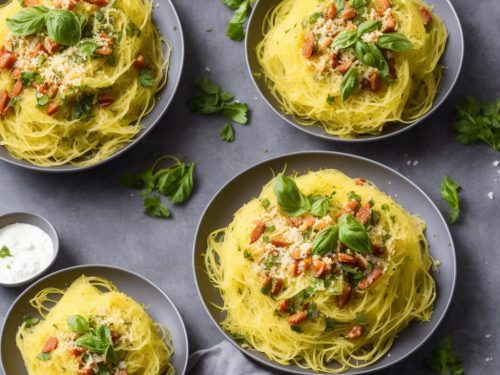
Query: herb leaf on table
[154, 207]
[449, 192]
[242, 8]
[444, 360]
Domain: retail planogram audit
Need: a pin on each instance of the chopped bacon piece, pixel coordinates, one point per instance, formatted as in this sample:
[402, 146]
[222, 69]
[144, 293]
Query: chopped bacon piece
[52, 90]
[76, 352]
[374, 81]
[7, 59]
[293, 268]
[308, 48]
[330, 12]
[334, 62]
[320, 267]
[266, 281]
[105, 100]
[359, 181]
[30, 3]
[370, 278]
[115, 337]
[51, 46]
[140, 62]
[257, 232]
[297, 318]
[307, 223]
[349, 208]
[16, 73]
[355, 332]
[98, 2]
[344, 66]
[279, 242]
[348, 13]
[18, 88]
[328, 42]
[306, 263]
[361, 262]
[377, 249]
[296, 253]
[386, 4]
[104, 51]
[42, 89]
[4, 102]
[87, 370]
[50, 345]
[278, 285]
[389, 23]
[295, 221]
[52, 108]
[346, 258]
[364, 213]
[283, 305]
[426, 15]
[345, 296]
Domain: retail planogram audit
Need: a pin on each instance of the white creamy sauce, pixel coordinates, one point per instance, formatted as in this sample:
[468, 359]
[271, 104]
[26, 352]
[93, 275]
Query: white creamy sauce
[31, 249]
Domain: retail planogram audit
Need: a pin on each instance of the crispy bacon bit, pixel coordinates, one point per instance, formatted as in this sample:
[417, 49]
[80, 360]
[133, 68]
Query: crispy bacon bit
[330, 12]
[307, 223]
[4, 102]
[18, 88]
[38, 49]
[370, 278]
[374, 80]
[297, 318]
[361, 262]
[104, 51]
[42, 89]
[105, 100]
[50, 46]
[7, 59]
[359, 181]
[50, 345]
[334, 62]
[348, 13]
[349, 208]
[279, 242]
[389, 23]
[98, 2]
[354, 332]
[344, 66]
[293, 268]
[344, 258]
[30, 3]
[87, 370]
[278, 285]
[364, 213]
[140, 62]
[320, 267]
[115, 337]
[377, 250]
[52, 108]
[345, 296]
[296, 253]
[426, 15]
[76, 352]
[308, 48]
[16, 73]
[283, 305]
[257, 232]
[306, 263]
[266, 281]
[294, 221]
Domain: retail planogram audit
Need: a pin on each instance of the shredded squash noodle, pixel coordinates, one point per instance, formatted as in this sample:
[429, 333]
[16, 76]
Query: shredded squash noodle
[328, 287]
[310, 67]
[93, 326]
[79, 104]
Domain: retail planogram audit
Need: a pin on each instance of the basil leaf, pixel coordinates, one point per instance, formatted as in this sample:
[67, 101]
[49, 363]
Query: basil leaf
[28, 21]
[326, 240]
[168, 178]
[349, 83]
[63, 27]
[110, 355]
[146, 77]
[78, 324]
[183, 188]
[43, 356]
[87, 48]
[368, 27]
[360, 3]
[42, 100]
[289, 197]
[449, 191]
[320, 207]
[370, 55]
[353, 234]
[345, 39]
[154, 207]
[92, 342]
[227, 133]
[235, 30]
[83, 106]
[5, 252]
[395, 42]
[30, 321]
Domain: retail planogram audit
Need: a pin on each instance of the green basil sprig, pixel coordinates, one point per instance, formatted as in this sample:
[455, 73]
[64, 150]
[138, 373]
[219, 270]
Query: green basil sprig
[320, 206]
[99, 342]
[370, 55]
[368, 27]
[291, 200]
[349, 83]
[345, 39]
[394, 42]
[63, 26]
[78, 324]
[326, 240]
[353, 234]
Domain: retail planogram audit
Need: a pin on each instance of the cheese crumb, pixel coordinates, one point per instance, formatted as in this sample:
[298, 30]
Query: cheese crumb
[487, 335]
[415, 163]
[496, 163]
[491, 195]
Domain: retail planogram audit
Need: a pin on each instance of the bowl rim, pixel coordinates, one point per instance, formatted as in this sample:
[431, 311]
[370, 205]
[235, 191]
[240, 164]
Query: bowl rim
[269, 363]
[102, 266]
[367, 138]
[68, 168]
[53, 235]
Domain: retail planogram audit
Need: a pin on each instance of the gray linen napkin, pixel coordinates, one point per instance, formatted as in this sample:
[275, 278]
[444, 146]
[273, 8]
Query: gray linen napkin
[223, 359]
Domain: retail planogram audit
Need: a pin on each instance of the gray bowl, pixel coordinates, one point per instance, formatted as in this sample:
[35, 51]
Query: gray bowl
[43, 224]
[248, 185]
[160, 307]
[168, 23]
[452, 60]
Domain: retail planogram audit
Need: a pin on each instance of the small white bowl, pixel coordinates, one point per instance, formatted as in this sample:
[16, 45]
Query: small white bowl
[43, 224]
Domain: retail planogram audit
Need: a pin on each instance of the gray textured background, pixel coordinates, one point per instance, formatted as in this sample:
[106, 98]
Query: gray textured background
[100, 222]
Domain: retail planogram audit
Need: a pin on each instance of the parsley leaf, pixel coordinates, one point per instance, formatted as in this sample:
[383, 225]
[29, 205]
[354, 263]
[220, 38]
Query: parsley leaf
[235, 30]
[5, 252]
[146, 77]
[444, 360]
[449, 192]
[478, 121]
[154, 207]
[43, 356]
[227, 133]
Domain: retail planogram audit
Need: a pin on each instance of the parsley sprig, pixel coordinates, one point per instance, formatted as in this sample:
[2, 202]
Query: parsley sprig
[212, 99]
[478, 121]
[449, 191]
[174, 181]
[242, 8]
[444, 360]
[5, 252]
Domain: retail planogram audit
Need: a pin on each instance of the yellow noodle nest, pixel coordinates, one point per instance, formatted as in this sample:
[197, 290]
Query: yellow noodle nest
[299, 92]
[404, 293]
[148, 348]
[44, 140]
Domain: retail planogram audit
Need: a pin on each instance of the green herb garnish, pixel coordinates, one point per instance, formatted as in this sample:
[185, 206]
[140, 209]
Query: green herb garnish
[242, 8]
[444, 360]
[227, 132]
[5, 252]
[146, 77]
[30, 321]
[449, 192]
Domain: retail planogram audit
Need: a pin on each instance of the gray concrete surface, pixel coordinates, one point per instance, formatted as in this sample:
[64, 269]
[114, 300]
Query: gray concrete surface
[100, 222]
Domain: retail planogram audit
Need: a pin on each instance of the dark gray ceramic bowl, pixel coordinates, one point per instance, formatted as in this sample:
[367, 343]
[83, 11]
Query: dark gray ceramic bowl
[168, 23]
[248, 185]
[37, 221]
[452, 60]
[160, 308]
